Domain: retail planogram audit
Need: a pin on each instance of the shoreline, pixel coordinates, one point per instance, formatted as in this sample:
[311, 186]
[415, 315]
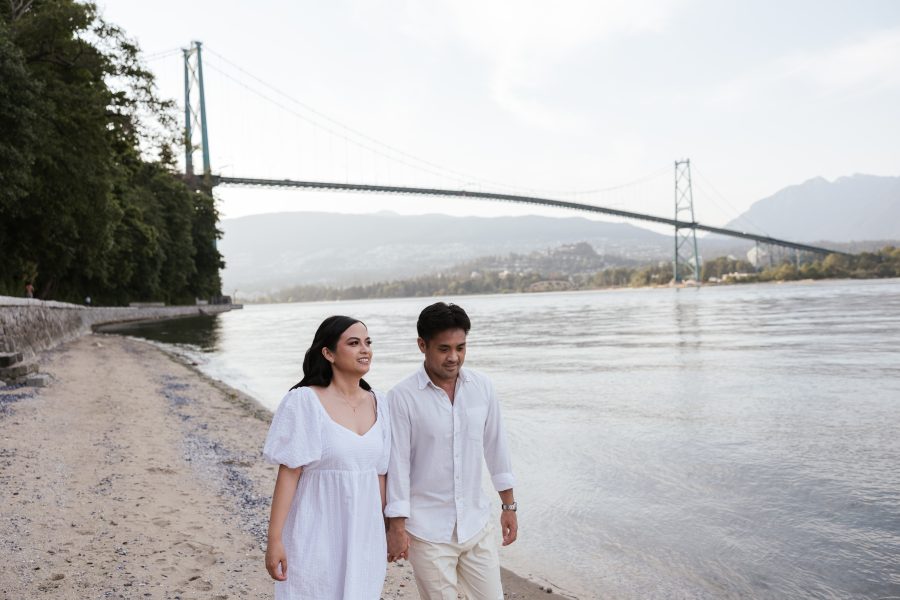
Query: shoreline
[161, 488]
[619, 289]
[515, 586]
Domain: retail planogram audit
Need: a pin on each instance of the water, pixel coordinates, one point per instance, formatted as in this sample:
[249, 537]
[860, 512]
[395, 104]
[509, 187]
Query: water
[731, 442]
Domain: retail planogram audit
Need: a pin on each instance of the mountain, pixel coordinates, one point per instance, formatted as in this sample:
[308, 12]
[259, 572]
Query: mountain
[856, 208]
[273, 251]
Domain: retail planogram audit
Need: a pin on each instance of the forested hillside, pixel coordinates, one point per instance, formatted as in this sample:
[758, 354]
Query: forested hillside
[565, 269]
[90, 202]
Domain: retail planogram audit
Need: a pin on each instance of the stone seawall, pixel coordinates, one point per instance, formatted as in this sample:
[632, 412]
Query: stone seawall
[31, 326]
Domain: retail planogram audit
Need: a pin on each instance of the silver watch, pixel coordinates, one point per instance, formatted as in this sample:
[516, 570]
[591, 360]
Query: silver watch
[511, 507]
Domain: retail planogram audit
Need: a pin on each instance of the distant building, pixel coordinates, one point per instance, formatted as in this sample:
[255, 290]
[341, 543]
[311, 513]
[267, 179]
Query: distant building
[757, 256]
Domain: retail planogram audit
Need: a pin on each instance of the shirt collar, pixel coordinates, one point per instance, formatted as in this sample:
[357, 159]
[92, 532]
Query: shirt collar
[424, 379]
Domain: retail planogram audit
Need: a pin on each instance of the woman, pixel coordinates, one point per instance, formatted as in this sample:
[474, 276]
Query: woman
[331, 439]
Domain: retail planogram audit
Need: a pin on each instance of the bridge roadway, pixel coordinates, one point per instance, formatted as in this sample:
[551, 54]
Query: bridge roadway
[360, 187]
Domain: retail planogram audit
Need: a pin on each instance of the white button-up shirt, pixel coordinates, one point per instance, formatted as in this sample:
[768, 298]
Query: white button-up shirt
[434, 477]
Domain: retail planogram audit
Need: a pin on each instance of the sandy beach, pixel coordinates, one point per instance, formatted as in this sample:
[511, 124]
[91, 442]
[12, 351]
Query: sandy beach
[133, 476]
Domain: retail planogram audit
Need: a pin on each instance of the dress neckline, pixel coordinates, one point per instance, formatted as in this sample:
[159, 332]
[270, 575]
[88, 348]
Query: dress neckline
[345, 428]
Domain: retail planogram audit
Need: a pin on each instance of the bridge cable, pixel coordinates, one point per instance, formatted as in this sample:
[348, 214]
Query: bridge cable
[161, 54]
[738, 215]
[337, 134]
[442, 171]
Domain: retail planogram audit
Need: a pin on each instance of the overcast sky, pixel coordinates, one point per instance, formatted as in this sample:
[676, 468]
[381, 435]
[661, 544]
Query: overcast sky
[550, 97]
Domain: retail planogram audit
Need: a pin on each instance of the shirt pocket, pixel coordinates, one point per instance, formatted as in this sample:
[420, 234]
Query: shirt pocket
[476, 416]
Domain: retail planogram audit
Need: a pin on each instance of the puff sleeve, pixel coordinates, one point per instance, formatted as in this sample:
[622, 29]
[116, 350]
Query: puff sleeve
[295, 435]
[384, 415]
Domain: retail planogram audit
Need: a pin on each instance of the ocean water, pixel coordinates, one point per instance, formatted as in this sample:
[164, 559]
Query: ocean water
[722, 442]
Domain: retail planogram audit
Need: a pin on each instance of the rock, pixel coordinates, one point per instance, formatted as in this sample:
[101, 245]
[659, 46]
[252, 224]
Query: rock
[38, 380]
[18, 371]
[7, 359]
[2, 384]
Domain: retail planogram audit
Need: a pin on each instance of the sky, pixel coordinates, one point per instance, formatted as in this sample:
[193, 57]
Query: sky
[585, 100]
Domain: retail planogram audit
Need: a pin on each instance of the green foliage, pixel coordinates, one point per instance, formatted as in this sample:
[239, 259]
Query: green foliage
[18, 123]
[866, 265]
[84, 209]
[481, 282]
[724, 265]
[659, 274]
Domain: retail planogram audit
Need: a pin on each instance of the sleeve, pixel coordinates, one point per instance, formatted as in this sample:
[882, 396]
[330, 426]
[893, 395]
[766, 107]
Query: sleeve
[398, 463]
[384, 415]
[496, 449]
[295, 435]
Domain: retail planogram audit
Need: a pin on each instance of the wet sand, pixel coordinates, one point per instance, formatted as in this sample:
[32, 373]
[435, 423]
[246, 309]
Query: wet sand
[134, 476]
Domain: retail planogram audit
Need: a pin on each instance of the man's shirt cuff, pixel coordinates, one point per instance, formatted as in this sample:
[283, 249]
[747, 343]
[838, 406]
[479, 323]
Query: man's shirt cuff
[397, 508]
[503, 481]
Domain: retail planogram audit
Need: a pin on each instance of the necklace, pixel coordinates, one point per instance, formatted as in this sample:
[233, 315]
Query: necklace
[345, 401]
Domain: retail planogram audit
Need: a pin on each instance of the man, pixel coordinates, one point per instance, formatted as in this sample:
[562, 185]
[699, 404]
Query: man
[443, 421]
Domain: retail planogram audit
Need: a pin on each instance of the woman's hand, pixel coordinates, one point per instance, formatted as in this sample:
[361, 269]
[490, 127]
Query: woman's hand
[285, 486]
[397, 540]
[275, 558]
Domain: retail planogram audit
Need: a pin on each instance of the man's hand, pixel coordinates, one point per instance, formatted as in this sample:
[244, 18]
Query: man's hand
[397, 540]
[509, 526]
[275, 557]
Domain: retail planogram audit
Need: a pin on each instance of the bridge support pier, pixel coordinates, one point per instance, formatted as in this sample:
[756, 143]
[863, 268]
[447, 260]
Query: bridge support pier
[687, 260]
[195, 117]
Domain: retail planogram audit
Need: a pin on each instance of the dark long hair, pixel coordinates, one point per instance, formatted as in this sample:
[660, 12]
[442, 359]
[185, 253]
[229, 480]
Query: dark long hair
[316, 368]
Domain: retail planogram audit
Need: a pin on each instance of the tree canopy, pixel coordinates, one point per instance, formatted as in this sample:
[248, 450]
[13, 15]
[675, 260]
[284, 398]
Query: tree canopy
[90, 202]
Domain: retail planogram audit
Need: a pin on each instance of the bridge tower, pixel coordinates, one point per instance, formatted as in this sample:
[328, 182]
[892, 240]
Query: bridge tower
[687, 259]
[195, 115]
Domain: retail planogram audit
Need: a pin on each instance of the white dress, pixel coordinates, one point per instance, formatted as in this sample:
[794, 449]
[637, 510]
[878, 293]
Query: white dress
[334, 533]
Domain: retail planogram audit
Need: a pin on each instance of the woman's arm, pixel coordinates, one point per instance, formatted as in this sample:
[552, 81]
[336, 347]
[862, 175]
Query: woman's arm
[285, 487]
[382, 485]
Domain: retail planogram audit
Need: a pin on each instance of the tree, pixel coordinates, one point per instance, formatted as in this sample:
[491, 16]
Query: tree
[89, 202]
[18, 138]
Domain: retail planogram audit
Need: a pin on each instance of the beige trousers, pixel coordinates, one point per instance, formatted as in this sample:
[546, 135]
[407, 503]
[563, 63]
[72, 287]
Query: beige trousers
[443, 569]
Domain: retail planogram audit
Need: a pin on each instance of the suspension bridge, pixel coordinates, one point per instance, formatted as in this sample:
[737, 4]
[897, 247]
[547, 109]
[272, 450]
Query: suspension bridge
[686, 261]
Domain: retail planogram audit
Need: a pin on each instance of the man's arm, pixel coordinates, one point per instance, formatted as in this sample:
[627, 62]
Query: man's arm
[499, 463]
[496, 450]
[397, 508]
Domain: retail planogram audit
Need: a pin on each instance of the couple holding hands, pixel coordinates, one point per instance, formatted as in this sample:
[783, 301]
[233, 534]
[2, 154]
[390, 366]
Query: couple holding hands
[363, 476]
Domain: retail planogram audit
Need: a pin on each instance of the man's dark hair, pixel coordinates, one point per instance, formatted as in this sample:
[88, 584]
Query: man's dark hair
[439, 317]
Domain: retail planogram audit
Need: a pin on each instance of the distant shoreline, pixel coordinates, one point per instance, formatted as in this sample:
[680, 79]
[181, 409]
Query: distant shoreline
[724, 270]
[588, 290]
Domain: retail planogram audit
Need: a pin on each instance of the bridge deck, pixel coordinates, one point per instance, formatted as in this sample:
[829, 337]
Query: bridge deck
[360, 187]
